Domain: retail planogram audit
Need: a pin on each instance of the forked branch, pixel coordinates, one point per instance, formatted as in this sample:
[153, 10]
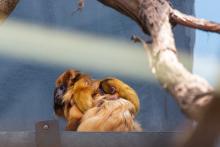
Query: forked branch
[192, 93]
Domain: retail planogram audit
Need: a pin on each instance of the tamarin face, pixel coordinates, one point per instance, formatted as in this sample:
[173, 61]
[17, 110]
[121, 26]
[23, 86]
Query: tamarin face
[114, 86]
[63, 83]
[106, 87]
[74, 89]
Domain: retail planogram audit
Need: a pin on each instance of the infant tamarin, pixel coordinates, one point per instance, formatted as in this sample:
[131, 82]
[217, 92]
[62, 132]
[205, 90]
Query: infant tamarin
[95, 105]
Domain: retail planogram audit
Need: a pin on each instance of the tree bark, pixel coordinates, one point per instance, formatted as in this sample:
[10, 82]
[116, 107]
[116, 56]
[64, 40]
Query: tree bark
[193, 22]
[6, 7]
[192, 93]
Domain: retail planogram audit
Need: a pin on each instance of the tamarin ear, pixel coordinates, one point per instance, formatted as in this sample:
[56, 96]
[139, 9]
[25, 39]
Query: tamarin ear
[76, 78]
[66, 77]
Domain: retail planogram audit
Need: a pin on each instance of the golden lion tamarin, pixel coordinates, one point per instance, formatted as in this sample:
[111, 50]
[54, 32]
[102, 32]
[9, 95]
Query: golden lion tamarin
[93, 105]
[73, 96]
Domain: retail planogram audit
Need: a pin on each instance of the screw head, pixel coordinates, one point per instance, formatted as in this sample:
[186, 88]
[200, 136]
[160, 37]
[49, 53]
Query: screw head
[45, 127]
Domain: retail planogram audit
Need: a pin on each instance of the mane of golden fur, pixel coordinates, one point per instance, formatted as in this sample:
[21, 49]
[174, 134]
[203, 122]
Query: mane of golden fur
[86, 109]
[110, 115]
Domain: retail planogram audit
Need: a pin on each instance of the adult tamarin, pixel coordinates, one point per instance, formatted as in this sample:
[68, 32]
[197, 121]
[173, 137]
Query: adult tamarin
[73, 96]
[95, 105]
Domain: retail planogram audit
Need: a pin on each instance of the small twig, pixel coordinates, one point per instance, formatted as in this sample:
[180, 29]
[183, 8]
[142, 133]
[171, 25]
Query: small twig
[137, 39]
[81, 5]
[193, 22]
[146, 46]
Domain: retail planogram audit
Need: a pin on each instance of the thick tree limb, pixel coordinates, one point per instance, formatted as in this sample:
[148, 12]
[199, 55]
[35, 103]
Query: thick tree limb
[191, 92]
[129, 8]
[193, 22]
[6, 7]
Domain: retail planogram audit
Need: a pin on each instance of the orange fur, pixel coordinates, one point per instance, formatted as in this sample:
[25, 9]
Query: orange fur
[110, 115]
[85, 109]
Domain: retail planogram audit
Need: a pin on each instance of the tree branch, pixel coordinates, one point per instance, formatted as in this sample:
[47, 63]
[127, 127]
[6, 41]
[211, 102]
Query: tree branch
[193, 22]
[129, 8]
[6, 7]
[191, 92]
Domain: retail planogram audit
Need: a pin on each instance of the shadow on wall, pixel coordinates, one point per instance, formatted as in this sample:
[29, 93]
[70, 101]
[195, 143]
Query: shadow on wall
[27, 88]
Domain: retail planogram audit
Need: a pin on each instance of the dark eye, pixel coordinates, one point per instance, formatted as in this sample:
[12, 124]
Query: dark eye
[112, 90]
[63, 88]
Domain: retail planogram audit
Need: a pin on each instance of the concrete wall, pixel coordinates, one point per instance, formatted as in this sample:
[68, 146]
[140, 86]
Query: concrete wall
[26, 88]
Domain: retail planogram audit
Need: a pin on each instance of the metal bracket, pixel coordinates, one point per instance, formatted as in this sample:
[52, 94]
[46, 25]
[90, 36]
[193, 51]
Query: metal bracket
[47, 134]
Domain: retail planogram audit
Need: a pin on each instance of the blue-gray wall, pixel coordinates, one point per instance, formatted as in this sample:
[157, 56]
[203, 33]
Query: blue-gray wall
[26, 88]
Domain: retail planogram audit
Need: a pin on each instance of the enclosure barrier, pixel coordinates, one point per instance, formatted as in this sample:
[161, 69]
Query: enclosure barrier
[48, 136]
